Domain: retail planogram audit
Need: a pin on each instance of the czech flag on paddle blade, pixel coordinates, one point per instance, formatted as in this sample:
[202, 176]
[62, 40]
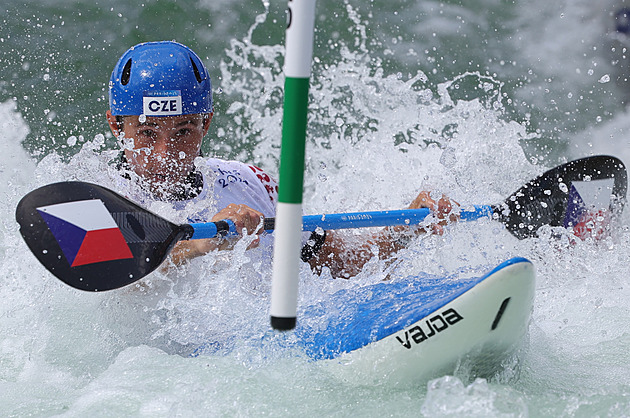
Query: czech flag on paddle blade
[588, 207]
[86, 232]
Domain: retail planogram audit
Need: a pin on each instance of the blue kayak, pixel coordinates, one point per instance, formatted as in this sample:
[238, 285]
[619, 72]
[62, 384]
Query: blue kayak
[418, 326]
[424, 324]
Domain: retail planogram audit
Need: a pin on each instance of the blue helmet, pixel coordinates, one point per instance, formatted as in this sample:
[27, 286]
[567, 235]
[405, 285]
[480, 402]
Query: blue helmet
[160, 79]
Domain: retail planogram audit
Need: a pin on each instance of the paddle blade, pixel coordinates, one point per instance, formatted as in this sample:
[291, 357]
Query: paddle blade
[92, 238]
[586, 195]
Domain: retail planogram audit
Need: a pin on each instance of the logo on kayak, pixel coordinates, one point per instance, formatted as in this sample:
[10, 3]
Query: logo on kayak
[430, 327]
[86, 232]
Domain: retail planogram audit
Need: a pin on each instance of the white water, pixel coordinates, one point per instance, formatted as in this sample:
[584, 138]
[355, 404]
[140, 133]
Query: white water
[69, 353]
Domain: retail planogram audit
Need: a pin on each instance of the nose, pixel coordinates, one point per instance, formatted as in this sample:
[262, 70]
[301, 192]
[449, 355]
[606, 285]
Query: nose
[164, 147]
[160, 146]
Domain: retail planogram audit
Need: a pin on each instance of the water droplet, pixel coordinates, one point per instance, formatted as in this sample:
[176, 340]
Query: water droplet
[563, 187]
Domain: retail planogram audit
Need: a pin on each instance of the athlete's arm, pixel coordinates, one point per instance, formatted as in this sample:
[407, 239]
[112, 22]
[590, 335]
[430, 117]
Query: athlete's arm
[345, 254]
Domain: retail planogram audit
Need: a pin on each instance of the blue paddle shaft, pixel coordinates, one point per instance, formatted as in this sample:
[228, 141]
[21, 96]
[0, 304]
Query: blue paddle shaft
[214, 229]
[345, 220]
[479, 211]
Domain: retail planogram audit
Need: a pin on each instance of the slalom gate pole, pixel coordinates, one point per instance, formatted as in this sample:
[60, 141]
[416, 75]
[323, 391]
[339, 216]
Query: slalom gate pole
[287, 244]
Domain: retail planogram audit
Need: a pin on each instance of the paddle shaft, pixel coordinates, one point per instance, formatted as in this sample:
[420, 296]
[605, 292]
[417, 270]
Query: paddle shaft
[341, 221]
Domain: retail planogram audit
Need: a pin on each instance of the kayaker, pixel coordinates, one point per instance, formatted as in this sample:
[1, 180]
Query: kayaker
[160, 97]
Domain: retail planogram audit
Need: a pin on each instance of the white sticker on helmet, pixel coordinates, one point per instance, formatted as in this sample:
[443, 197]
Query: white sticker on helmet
[162, 105]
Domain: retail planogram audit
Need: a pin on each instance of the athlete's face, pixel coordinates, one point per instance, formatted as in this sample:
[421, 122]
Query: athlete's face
[162, 150]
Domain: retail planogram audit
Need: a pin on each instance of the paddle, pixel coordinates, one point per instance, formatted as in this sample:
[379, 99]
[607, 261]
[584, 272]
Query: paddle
[94, 239]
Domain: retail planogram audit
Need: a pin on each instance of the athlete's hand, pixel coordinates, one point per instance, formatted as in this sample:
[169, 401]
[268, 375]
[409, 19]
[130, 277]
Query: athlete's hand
[244, 218]
[443, 209]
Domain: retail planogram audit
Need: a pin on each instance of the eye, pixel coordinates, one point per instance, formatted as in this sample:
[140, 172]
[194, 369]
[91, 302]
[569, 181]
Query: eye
[148, 133]
[183, 132]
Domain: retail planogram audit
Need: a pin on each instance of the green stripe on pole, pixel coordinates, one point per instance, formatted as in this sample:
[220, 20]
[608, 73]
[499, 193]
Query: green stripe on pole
[293, 140]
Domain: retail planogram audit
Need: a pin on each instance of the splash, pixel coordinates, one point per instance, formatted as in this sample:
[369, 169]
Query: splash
[376, 137]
